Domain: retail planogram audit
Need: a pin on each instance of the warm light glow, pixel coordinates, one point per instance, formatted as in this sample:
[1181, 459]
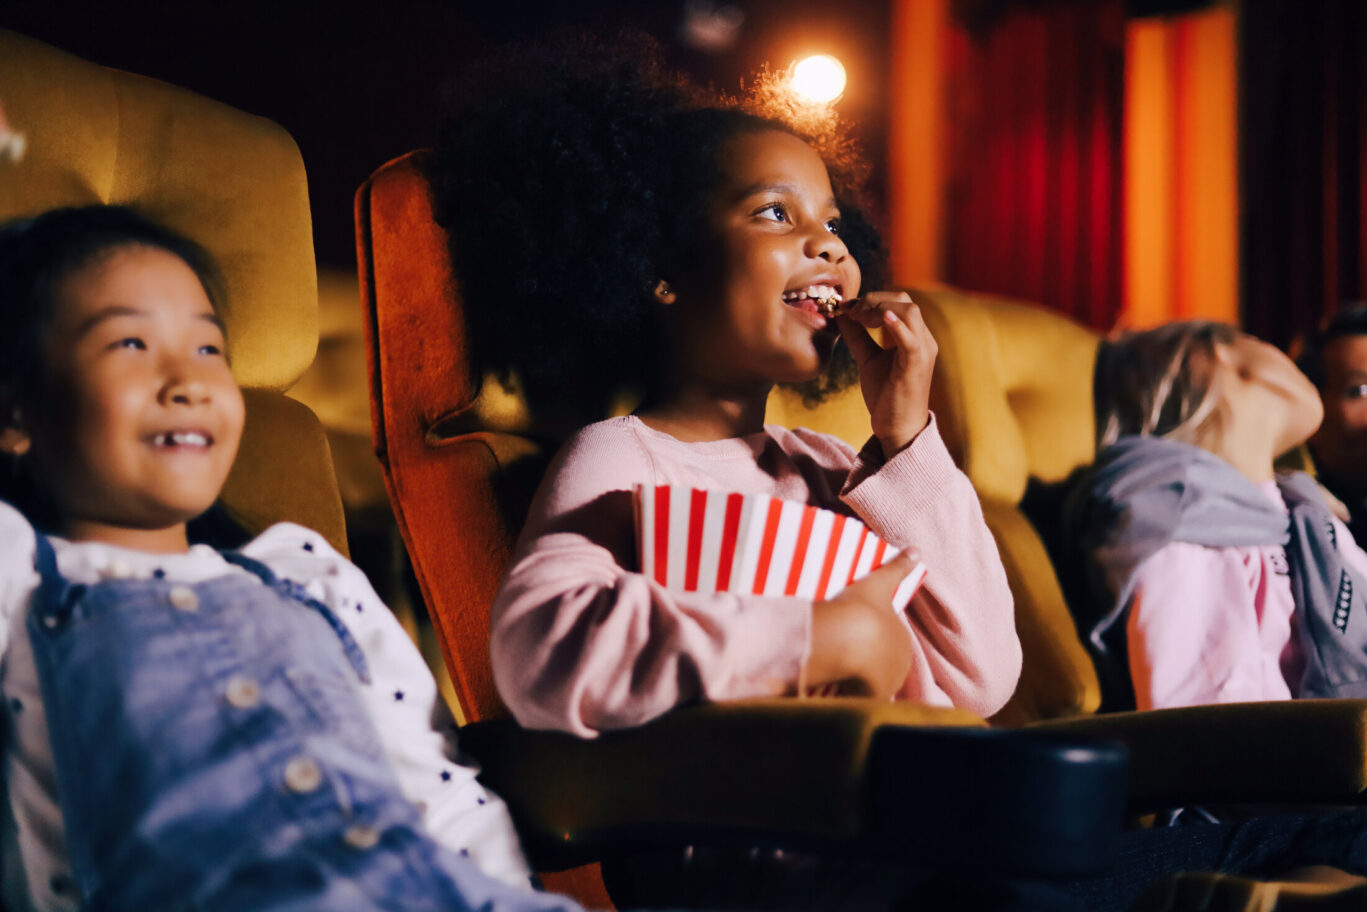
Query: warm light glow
[819, 79]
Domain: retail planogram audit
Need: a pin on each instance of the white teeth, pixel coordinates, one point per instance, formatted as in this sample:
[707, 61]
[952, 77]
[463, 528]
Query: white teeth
[824, 293]
[182, 438]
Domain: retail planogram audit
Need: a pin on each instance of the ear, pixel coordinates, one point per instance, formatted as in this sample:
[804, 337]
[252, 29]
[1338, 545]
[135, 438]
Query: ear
[14, 438]
[14, 441]
[664, 294]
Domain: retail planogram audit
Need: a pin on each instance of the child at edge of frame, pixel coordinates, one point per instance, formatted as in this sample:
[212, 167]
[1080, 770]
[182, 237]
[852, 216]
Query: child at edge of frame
[247, 729]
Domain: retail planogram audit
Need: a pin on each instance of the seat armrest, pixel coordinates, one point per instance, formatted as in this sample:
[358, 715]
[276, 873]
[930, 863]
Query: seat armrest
[892, 779]
[1292, 751]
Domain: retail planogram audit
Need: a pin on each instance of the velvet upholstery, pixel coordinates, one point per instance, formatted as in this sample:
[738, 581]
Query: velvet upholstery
[1012, 391]
[232, 182]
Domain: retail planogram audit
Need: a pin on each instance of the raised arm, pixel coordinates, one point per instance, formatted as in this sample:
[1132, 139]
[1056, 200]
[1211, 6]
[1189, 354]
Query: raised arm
[963, 625]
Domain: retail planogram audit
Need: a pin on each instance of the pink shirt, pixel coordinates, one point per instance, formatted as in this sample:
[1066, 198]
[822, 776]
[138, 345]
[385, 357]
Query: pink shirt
[1216, 625]
[582, 642]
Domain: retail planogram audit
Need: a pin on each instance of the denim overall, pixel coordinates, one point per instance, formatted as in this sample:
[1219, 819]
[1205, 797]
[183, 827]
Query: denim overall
[212, 752]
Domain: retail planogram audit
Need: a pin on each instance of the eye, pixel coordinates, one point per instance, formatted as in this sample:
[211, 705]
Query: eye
[132, 342]
[1356, 392]
[833, 225]
[210, 350]
[774, 212]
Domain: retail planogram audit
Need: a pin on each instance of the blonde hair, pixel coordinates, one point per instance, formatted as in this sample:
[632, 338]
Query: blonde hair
[1160, 382]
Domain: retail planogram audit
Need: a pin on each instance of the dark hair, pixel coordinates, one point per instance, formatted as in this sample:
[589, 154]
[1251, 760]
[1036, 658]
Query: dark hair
[1349, 320]
[36, 255]
[569, 177]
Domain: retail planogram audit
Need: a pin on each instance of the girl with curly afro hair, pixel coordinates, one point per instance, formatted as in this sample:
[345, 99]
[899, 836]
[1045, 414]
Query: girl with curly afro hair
[614, 227]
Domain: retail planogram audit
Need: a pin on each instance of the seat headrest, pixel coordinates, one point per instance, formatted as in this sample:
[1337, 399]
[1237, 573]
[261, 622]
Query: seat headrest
[230, 181]
[1012, 389]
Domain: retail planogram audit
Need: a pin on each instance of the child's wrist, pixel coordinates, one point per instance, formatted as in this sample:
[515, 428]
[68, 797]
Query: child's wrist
[894, 442]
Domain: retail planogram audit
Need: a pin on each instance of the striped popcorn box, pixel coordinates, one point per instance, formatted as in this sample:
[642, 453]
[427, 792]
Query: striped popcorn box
[713, 541]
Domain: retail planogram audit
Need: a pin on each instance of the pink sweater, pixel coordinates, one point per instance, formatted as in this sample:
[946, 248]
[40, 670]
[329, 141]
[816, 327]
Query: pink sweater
[1216, 625]
[582, 642]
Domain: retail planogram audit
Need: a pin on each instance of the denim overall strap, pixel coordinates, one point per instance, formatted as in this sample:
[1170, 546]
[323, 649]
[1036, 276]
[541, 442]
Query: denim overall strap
[291, 589]
[55, 594]
[213, 750]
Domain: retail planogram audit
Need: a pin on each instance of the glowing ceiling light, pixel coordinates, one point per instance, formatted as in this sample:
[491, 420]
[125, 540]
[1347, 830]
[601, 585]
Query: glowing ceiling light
[819, 79]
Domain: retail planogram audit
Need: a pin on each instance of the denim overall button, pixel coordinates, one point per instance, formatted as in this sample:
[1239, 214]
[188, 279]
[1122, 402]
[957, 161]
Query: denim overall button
[244, 693]
[184, 598]
[361, 836]
[302, 775]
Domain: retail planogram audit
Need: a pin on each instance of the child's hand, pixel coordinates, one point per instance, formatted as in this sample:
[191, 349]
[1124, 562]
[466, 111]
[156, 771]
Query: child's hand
[858, 641]
[896, 379]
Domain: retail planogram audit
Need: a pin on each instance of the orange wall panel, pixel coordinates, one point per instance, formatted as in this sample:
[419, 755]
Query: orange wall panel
[1181, 169]
[915, 139]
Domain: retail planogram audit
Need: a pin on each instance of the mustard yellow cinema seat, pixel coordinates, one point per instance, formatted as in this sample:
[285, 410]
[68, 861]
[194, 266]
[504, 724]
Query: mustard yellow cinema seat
[230, 181]
[1013, 397]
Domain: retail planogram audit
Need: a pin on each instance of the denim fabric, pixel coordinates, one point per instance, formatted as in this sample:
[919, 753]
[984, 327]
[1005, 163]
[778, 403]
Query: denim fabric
[213, 752]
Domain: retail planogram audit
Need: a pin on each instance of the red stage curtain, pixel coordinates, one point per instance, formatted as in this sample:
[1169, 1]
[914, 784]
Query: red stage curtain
[1034, 113]
[1303, 161]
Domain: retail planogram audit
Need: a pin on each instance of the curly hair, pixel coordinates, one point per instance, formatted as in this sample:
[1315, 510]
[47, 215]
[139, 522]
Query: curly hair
[569, 176]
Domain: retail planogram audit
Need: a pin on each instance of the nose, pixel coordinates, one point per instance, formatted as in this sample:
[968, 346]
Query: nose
[823, 245]
[183, 384]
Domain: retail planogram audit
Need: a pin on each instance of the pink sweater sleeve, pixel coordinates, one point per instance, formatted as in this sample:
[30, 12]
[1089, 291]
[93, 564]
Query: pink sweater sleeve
[1192, 632]
[582, 643]
[963, 624]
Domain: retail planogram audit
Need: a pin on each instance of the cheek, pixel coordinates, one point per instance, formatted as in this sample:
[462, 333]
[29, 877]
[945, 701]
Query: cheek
[1354, 414]
[854, 282]
[768, 266]
[234, 417]
[84, 415]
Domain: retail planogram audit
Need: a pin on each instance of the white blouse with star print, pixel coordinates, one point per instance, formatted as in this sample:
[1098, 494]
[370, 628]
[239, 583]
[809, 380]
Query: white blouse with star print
[415, 728]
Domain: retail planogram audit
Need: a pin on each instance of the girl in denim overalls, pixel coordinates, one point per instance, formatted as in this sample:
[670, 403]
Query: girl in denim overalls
[188, 728]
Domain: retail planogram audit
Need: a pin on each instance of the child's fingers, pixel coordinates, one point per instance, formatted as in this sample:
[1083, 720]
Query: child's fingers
[868, 309]
[881, 585]
[861, 344]
[910, 334]
[896, 331]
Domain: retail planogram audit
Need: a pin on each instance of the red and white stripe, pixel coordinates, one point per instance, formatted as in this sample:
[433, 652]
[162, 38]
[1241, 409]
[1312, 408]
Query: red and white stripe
[713, 541]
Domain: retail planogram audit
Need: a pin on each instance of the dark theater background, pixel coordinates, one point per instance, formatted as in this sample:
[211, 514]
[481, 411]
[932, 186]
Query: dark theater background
[1119, 161]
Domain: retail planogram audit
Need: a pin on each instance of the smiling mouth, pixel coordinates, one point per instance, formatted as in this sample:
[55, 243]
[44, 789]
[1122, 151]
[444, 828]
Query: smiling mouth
[817, 298]
[183, 440]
